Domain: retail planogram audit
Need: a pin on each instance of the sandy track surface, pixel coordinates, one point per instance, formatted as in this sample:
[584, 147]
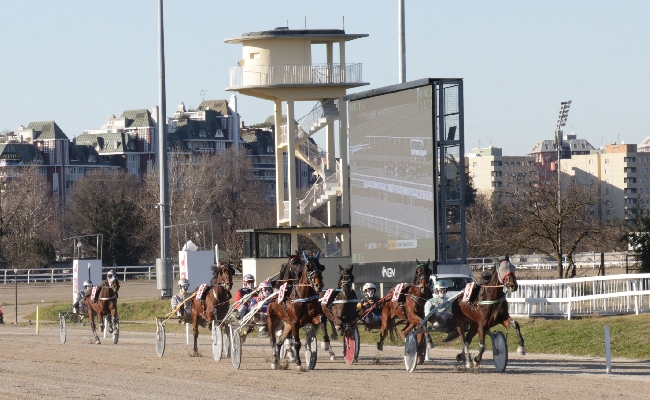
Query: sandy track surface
[36, 366]
[40, 366]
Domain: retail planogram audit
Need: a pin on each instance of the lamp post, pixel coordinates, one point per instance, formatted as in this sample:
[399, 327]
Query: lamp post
[564, 115]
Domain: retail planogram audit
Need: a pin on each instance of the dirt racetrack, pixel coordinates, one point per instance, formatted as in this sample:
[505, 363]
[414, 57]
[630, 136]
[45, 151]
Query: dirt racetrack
[40, 366]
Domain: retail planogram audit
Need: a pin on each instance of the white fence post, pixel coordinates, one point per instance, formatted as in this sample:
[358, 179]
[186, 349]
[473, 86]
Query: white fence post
[608, 353]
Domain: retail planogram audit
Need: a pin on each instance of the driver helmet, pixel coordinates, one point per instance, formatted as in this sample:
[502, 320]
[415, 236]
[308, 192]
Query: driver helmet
[440, 288]
[249, 281]
[369, 289]
[266, 288]
[183, 285]
[88, 284]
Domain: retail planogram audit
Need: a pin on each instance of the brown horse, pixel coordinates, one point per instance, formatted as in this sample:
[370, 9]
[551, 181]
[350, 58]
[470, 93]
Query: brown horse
[485, 310]
[409, 307]
[341, 307]
[301, 308]
[104, 303]
[215, 301]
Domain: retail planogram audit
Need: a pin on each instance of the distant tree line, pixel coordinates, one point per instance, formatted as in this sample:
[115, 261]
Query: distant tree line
[217, 192]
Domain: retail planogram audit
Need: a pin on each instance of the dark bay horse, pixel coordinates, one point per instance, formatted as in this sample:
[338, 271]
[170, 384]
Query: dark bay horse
[301, 308]
[409, 307]
[488, 309]
[341, 307]
[104, 303]
[214, 302]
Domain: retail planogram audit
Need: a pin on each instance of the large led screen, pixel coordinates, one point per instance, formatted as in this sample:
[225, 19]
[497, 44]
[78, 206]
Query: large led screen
[391, 176]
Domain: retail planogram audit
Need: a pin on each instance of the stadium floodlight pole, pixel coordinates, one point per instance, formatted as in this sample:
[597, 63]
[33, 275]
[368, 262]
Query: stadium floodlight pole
[401, 41]
[163, 265]
[564, 115]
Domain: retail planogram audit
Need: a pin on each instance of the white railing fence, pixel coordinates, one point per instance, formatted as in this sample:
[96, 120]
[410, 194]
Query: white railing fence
[582, 260]
[292, 74]
[603, 295]
[51, 275]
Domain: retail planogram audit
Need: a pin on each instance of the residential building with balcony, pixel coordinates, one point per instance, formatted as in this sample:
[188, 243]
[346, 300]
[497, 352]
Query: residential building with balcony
[128, 141]
[212, 128]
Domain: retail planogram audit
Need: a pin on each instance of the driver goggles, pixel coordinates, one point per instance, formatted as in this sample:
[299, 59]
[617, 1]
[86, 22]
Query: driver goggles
[185, 287]
[267, 291]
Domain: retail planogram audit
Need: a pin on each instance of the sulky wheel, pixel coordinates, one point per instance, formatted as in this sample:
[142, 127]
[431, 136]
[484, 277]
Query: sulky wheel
[351, 344]
[62, 328]
[217, 341]
[500, 351]
[235, 346]
[311, 347]
[160, 339]
[411, 351]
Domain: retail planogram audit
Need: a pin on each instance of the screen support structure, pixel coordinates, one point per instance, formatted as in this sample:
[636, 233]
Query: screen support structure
[450, 172]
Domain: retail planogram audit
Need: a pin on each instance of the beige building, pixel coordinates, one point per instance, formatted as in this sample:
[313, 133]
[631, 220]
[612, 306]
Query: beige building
[493, 174]
[621, 174]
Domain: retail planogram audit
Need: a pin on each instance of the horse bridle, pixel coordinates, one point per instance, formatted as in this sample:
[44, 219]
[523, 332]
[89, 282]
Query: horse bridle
[224, 280]
[422, 277]
[346, 278]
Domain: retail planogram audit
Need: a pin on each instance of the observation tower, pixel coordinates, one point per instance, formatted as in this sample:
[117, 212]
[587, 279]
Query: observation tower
[276, 65]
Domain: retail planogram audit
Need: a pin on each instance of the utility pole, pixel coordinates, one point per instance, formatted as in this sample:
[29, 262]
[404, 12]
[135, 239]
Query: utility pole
[163, 264]
[401, 41]
[564, 115]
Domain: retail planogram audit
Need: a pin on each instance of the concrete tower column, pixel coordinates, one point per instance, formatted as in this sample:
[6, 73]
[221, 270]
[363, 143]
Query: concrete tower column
[279, 163]
[343, 156]
[329, 47]
[342, 61]
[291, 173]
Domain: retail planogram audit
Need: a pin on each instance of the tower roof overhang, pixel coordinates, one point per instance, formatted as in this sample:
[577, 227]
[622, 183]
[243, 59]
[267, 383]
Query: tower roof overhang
[316, 35]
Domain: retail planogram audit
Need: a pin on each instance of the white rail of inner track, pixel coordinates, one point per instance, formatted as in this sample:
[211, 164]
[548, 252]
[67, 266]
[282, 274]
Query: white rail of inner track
[603, 295]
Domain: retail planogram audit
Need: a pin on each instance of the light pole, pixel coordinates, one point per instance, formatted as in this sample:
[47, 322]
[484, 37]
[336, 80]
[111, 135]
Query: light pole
[564, 115]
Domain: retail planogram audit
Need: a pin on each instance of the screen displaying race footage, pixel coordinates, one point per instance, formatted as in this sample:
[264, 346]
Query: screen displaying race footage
[391, 176]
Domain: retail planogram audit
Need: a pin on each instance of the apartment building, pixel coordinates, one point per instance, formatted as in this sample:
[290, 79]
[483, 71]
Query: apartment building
[494, 174]
[621, 175]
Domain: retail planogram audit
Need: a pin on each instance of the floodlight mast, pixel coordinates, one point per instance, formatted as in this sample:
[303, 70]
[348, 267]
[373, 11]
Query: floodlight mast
[564, 115]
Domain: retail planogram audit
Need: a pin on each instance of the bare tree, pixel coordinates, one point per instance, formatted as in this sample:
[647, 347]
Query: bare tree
[27, 224]
[218, 189]
[110, 203]
[535, 223]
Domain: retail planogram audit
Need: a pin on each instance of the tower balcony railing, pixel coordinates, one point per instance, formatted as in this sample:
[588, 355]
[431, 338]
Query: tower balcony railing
[314, 74]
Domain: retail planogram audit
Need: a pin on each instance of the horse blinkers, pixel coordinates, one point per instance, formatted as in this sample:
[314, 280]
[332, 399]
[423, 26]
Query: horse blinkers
[315, 278]
[507, 276]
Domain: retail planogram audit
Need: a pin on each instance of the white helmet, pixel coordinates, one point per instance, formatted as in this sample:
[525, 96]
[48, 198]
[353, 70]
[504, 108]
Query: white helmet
[88, 284]
[249, 281]
[440, 286]
[183, 284]
[369, 285]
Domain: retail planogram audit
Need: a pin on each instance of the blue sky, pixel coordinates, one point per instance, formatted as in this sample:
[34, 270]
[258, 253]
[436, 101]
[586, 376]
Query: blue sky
[77, 62]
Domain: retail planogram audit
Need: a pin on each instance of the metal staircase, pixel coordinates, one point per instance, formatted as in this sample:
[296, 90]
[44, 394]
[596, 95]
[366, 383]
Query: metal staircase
[328, 182]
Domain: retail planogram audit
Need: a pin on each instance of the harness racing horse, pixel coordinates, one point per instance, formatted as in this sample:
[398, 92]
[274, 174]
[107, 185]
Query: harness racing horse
[301, 308]
[290, 271]
[213, 302]
[340, 307]
[488, 309]
[409, 307]
[102, 300]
